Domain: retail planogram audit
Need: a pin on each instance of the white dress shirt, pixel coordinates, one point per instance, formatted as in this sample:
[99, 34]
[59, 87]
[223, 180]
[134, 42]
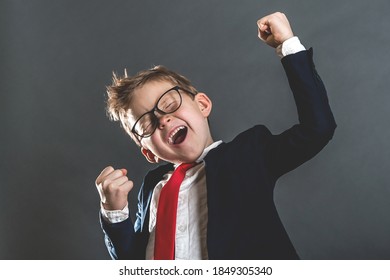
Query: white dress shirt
[191, 220]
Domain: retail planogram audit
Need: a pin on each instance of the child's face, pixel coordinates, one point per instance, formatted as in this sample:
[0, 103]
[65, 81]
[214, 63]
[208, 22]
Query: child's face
[180, 136]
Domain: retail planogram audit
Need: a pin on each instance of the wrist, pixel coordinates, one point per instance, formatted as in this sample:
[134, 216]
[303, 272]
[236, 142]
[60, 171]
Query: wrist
[114, 216]
[117, 205]
[289, 46]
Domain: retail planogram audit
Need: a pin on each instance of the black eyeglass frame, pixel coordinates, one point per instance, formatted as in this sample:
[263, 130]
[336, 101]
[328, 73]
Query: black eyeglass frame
[155, 108]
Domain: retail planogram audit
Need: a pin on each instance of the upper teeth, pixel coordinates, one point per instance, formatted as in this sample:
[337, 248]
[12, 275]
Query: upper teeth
[170, 139]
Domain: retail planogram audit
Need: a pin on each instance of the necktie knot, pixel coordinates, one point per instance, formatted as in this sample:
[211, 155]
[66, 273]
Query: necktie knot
[182, 168]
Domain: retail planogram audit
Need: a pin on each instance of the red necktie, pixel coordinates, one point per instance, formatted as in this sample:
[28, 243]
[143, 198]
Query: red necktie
[164, 246]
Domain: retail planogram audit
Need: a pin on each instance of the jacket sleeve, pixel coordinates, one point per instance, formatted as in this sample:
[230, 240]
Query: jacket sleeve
[126, 240]
[123, 241]
[316, 122]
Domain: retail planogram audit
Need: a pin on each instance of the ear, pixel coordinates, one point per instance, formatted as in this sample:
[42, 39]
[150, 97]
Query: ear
[152, 158]
[204, 103]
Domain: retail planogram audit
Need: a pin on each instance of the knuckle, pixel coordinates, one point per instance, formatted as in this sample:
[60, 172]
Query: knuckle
[111, 186]
[108, 187]
[103, 174]
[118, 173]
[109, 168]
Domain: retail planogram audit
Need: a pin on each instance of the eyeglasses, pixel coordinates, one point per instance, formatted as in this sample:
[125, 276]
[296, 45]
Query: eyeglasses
[169, 102]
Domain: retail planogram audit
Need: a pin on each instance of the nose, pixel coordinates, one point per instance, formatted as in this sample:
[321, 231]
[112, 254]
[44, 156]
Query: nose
[163, 120]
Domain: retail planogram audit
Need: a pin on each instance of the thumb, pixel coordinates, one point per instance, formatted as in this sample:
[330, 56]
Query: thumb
[124, 171]
[264, 31]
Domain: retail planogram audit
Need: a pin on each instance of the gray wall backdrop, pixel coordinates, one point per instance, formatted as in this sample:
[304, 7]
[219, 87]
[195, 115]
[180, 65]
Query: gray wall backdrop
[56, 57]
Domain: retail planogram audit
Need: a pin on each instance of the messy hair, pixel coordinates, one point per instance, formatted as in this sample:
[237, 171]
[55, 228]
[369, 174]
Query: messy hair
[121, 91]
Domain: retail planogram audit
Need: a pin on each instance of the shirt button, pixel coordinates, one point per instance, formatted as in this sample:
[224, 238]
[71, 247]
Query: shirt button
[181, 228]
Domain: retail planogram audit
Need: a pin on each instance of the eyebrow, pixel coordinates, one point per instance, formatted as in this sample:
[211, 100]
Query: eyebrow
[155, 102]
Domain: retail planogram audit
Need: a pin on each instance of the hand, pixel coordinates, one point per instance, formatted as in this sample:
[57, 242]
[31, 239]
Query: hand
[274, 29]
[113, 187]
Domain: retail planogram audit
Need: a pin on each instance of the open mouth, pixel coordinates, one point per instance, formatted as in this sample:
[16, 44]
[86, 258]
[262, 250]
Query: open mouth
[178, 135]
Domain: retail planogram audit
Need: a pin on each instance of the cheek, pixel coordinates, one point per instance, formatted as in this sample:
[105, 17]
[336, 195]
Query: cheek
[197, 118]
[191, 114]
[153, 142]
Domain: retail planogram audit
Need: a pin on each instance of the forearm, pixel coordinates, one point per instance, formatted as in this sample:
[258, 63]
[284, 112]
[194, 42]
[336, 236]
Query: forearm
[310, 94]
[316, 125]
[309, 91]
[122, 241]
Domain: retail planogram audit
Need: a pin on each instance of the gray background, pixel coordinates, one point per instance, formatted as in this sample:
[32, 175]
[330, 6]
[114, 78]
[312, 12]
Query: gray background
[56, 58]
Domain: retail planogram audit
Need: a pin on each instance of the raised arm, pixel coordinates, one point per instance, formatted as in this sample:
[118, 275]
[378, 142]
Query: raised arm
[316, 122]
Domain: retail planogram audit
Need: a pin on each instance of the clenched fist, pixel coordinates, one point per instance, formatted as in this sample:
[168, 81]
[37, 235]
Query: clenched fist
[113, 187]
[274, 29]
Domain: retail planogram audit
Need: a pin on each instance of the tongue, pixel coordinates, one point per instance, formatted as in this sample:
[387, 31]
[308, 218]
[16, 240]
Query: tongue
[180, 136]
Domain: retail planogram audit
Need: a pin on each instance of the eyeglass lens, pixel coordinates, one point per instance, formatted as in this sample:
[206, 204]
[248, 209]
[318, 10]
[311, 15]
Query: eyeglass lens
[168, 103]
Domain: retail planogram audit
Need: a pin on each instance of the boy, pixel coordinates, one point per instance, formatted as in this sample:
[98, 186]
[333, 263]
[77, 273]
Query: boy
[225, 207]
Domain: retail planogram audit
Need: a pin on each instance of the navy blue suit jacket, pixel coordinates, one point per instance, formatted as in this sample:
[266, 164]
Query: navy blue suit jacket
[243, 222]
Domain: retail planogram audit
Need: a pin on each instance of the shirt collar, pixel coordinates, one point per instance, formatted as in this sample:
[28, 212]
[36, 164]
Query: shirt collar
[205, 152]
[208, 149]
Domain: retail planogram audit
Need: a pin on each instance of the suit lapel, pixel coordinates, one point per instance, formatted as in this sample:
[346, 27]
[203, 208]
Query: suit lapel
[146, 192]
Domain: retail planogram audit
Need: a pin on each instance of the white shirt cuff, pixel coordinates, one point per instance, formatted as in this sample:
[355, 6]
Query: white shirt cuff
[114, 216]
[290, 46]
